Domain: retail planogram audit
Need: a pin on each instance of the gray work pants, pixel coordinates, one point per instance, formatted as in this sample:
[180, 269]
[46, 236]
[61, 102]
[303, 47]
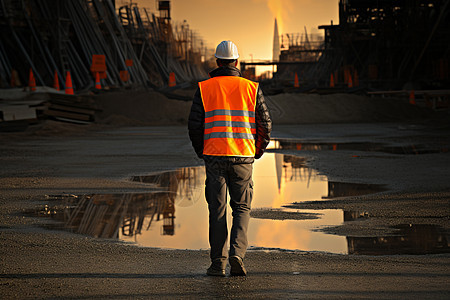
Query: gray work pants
[237, 177]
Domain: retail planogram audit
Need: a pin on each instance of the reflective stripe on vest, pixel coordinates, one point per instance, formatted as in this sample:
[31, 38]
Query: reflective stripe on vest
[230, 127]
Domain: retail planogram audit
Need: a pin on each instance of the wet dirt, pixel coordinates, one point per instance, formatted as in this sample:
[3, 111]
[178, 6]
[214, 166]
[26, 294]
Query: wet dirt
[412, 149]
[165, 217]
[40, 263]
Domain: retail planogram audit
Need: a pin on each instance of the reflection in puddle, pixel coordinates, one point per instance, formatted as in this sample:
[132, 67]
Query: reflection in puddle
[112, 215]
[410, 239]
[185, 183]
[345, 189]
[279, 180]
[407, 239]
[293, 144]
[174, 214]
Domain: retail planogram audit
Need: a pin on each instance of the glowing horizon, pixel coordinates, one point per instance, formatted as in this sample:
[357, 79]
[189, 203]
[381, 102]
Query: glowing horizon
[248, 23]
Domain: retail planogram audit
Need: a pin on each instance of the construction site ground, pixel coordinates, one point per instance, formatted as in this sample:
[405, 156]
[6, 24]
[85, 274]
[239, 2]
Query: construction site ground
[51, 158]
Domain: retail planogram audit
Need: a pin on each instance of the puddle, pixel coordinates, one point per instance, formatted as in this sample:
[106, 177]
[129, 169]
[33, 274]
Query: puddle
[174, 214]
[293, 144]
[345, 189]
[410, 239]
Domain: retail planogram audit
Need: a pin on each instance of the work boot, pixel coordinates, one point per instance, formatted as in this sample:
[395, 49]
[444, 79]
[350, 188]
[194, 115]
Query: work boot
[216, 269]
[237, 266]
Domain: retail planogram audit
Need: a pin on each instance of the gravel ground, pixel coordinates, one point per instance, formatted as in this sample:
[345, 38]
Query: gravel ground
[38, 263]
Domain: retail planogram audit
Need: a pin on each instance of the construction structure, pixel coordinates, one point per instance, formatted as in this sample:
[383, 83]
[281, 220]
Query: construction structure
[292, 53]
[127, 45]
[276, 43]
[389, 44]
[303, 51]
[377, 45]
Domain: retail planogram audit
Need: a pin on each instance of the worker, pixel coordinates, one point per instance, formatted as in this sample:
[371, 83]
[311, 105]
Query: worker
[229, 126]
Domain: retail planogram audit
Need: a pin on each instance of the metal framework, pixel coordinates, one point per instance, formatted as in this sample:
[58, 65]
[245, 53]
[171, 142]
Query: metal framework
[385, 44]
[53, 35]
[390, 43]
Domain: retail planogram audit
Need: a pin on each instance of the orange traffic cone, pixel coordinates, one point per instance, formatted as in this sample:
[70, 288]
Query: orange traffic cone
[350, 81]
[346, 73]
[296, 83]
[412, 97]
[331, 81]
[69, 87]
[32, 81]
[98, 85]
[172, 81]
[56, 81]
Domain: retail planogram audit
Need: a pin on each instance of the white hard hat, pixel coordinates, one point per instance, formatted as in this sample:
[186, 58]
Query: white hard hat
[227, 50]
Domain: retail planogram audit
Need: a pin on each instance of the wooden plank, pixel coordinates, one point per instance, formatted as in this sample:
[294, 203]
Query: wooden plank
[67, 115]
[17, 112]
[71, 109]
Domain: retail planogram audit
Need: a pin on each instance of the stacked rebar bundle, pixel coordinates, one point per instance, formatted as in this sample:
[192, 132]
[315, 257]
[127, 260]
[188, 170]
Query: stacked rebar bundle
[51, 36]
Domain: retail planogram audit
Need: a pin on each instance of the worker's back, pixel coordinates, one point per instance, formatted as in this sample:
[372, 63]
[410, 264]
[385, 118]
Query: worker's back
[229, 103]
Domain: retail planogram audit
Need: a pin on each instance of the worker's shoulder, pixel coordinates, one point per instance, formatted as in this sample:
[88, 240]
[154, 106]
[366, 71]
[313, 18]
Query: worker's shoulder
[249, 81]
[229, 79]
[243, 80]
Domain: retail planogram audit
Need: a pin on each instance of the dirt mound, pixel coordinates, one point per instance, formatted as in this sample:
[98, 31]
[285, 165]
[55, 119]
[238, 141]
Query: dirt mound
[340, 108]
[57, 128]
[140, 108]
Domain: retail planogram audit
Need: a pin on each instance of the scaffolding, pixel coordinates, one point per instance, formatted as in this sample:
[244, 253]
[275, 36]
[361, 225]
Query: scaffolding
[51, 36]
[390, 44]
[384, 45]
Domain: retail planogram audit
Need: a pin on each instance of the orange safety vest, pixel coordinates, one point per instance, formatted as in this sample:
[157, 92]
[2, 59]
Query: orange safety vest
[230, 127]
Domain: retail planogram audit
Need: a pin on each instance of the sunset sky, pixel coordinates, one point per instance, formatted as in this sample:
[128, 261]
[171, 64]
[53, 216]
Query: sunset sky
[249, 23]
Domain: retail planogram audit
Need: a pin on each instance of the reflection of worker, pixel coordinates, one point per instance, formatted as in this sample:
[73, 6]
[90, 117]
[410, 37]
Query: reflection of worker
[229, 126]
